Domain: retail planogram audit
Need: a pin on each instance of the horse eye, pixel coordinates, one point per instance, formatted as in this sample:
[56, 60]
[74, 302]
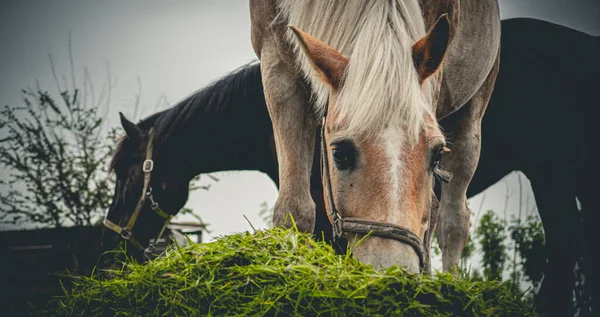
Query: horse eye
[344, 155]
[436, 157]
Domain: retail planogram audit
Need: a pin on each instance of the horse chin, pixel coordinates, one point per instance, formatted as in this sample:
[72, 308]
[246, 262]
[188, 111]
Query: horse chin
[384, 253]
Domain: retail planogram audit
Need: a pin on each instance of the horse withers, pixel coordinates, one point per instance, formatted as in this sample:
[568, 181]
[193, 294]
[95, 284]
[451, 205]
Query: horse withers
[384, 82]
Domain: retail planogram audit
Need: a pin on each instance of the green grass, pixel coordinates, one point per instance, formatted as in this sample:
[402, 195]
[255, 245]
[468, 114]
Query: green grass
[280, 273]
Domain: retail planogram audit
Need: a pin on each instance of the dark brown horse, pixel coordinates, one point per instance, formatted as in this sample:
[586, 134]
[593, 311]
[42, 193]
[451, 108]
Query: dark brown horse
[541, 122]
[235, 108]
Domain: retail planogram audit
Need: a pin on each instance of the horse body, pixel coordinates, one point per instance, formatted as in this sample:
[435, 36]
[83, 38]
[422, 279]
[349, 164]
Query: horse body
[360, 64]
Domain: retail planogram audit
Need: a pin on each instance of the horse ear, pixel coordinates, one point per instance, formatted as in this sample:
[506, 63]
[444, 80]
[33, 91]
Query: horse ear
[428, 52]
[131, 129]
[328, 63]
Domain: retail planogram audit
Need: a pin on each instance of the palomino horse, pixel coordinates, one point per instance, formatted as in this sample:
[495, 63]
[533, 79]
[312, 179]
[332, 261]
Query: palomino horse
[373, 70]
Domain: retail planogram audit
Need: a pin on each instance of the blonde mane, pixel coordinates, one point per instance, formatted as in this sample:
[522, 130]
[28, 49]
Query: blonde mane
[380, 84]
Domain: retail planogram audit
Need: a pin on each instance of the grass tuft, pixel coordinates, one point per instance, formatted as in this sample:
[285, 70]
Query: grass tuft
[280, 272]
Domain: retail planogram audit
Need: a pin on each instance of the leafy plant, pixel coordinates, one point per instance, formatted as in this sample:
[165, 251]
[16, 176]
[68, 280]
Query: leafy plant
[54, 153]
[531, 246]
[491, 237]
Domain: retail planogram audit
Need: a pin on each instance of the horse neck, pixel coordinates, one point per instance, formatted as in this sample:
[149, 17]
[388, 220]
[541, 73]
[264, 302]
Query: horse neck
[223, 133]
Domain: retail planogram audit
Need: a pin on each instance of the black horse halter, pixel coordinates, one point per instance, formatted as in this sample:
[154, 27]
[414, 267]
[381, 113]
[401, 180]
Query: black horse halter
[361, 226]
[125, 232]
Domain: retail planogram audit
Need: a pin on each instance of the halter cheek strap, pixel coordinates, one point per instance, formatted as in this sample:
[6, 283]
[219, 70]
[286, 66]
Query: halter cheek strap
[334, 216]
[125, 232]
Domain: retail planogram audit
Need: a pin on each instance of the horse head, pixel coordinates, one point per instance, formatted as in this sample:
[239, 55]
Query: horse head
[381, 143]
[148, 193]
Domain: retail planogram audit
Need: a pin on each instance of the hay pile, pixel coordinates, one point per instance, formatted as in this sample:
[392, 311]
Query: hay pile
[280, 273]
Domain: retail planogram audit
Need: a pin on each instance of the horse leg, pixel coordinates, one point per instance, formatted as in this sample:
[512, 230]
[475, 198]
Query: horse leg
[288, 101]
[464, 130]
[555, 199]
[293, 127]
[587, 190]
[590, 219]
[591, 264]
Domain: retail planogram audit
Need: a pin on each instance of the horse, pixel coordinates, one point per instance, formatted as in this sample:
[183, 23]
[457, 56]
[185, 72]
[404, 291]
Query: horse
[380, 83]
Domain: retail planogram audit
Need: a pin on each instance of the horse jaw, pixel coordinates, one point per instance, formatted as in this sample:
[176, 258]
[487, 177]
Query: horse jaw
[383, 253]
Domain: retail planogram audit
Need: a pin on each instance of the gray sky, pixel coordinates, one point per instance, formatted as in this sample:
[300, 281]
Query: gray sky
[177, 48]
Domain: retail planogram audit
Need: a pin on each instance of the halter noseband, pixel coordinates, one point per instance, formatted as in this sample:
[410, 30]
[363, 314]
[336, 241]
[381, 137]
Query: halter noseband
[125, 232]
[361, 226]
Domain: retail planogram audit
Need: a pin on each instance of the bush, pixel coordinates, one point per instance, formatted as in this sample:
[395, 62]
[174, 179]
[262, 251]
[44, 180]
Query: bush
[54, 153]
[279, 273]
[492, 238]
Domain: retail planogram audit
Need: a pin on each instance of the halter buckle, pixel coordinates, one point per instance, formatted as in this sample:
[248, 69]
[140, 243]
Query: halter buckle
[150, 248]
[154, 205]
[337, 228]
[148, 166]
[126, 234]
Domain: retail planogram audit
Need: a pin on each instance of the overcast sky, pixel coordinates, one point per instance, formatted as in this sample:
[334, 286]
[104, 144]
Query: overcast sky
[176, 48]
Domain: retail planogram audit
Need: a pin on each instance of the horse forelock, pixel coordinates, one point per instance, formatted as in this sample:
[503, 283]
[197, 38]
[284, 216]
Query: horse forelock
[381, 84]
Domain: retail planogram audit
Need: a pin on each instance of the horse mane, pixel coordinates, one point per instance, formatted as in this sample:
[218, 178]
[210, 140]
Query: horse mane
[117, 154]
[238, 88]
[380, 83]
